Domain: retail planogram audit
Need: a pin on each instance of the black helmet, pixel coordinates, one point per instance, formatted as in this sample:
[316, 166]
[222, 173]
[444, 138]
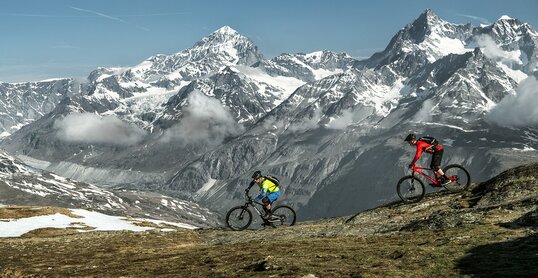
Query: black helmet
[257, 175]
[410, 137]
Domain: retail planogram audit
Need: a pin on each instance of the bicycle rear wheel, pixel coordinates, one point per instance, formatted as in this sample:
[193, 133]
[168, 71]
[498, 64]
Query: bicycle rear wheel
[239, 218]
[461, 180]
[410, 189]
[283, 215]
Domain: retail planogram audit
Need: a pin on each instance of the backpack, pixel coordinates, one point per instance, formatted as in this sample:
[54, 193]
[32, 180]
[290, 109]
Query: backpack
[430, 140]
[273, 180]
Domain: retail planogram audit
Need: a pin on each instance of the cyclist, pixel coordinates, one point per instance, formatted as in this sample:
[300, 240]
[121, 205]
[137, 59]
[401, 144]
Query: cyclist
[429, 145]
[269, 191]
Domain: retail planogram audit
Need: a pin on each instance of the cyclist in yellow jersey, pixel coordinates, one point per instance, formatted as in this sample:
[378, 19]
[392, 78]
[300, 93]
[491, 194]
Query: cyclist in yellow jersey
[269, 191]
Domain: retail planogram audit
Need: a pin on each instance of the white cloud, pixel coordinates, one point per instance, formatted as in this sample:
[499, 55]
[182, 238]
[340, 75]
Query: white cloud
[493, 51]
[473, 17]
[205, 121]
[520, 110]
[94, 129]
[109, 17]
[425, 113]
[343, 121]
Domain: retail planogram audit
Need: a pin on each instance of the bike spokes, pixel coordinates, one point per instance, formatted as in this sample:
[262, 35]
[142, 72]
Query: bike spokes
[459, 178]
[283, 215]
[410, 189]
[239, 218]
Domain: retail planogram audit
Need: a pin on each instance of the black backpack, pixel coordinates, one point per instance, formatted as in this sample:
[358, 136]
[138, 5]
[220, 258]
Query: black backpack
[430, 140]
[273, 180]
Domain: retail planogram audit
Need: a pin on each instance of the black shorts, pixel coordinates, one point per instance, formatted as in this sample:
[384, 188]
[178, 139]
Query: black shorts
[437, 156]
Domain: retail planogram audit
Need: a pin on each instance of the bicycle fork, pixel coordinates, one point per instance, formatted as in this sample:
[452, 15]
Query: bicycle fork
[412, 182]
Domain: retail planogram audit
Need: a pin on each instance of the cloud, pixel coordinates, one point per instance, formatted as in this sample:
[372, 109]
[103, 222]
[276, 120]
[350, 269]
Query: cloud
[477, 18]
[520, 110]
[206, 121]
[493, 51]
[109, 17]
[93, 129]
[343, 121]
[425, 112]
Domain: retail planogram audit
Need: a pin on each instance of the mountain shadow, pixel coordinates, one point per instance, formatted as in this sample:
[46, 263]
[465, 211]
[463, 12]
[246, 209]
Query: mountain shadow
[514, 258]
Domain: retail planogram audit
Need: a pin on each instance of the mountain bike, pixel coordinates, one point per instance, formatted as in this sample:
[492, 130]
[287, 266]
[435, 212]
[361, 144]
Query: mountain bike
[411, 189]
[240, 217]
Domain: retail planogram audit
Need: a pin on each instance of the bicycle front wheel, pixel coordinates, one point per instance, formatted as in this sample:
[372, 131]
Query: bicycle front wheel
[461, 180]
[284, 216]
[410, 189]
[239, 218]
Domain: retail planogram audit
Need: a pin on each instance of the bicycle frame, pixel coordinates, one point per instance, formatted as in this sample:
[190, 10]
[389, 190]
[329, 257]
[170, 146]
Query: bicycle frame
[417, 169]
[251, 202]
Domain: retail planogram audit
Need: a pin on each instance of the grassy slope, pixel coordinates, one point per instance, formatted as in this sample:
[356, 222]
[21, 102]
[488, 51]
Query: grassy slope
[490, 231]
[477, 249]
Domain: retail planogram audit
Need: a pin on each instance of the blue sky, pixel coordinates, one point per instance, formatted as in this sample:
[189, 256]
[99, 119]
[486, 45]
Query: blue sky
[69, 38]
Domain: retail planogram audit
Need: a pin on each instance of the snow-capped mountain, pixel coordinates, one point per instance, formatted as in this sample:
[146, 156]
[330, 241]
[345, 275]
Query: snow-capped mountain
[249, 93]
[23, 103]
[221, 48]
[25, 185]
[423, 41]
[307, 67]
[200, 121]
[517, 39]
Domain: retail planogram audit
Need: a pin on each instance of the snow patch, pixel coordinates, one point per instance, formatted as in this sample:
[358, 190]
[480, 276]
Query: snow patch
[18, 227]
[206, 186]
[517, 75]
[288, 85]
[97, 221]
[448, 142]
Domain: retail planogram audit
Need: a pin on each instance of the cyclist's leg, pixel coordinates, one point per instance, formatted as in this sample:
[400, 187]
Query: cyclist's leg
[436, 163]
[268, 200]
[274, 196]
[266, 205]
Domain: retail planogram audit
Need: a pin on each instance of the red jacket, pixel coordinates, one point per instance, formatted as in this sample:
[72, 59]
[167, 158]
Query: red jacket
[425, 147]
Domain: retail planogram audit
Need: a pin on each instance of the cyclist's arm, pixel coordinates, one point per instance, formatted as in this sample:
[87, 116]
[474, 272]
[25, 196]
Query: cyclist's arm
[251, 184]
[419, 152]
[265, 190]
[262, 194]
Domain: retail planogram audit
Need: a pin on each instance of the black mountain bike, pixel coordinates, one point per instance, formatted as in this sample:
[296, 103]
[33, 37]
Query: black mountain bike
[240, 217]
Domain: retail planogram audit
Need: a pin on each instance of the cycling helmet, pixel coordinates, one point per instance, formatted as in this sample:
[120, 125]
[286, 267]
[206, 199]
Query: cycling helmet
[257, 175]
[410, 137]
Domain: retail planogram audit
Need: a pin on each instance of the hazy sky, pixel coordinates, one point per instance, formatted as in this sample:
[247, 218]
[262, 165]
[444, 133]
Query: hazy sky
[42, 39]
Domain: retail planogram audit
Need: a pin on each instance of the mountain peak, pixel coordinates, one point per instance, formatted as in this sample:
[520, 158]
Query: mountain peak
[224, 34]
[508, 20]
[428, 16]
[422, 26]
[226, 30]
[429, 13]
[505, 17]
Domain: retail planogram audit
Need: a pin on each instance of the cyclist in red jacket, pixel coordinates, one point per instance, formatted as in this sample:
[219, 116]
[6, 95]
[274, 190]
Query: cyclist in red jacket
[432, 146]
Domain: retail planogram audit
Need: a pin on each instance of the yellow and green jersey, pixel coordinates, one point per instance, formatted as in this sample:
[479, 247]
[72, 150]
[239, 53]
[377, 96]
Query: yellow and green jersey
[268, 186]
